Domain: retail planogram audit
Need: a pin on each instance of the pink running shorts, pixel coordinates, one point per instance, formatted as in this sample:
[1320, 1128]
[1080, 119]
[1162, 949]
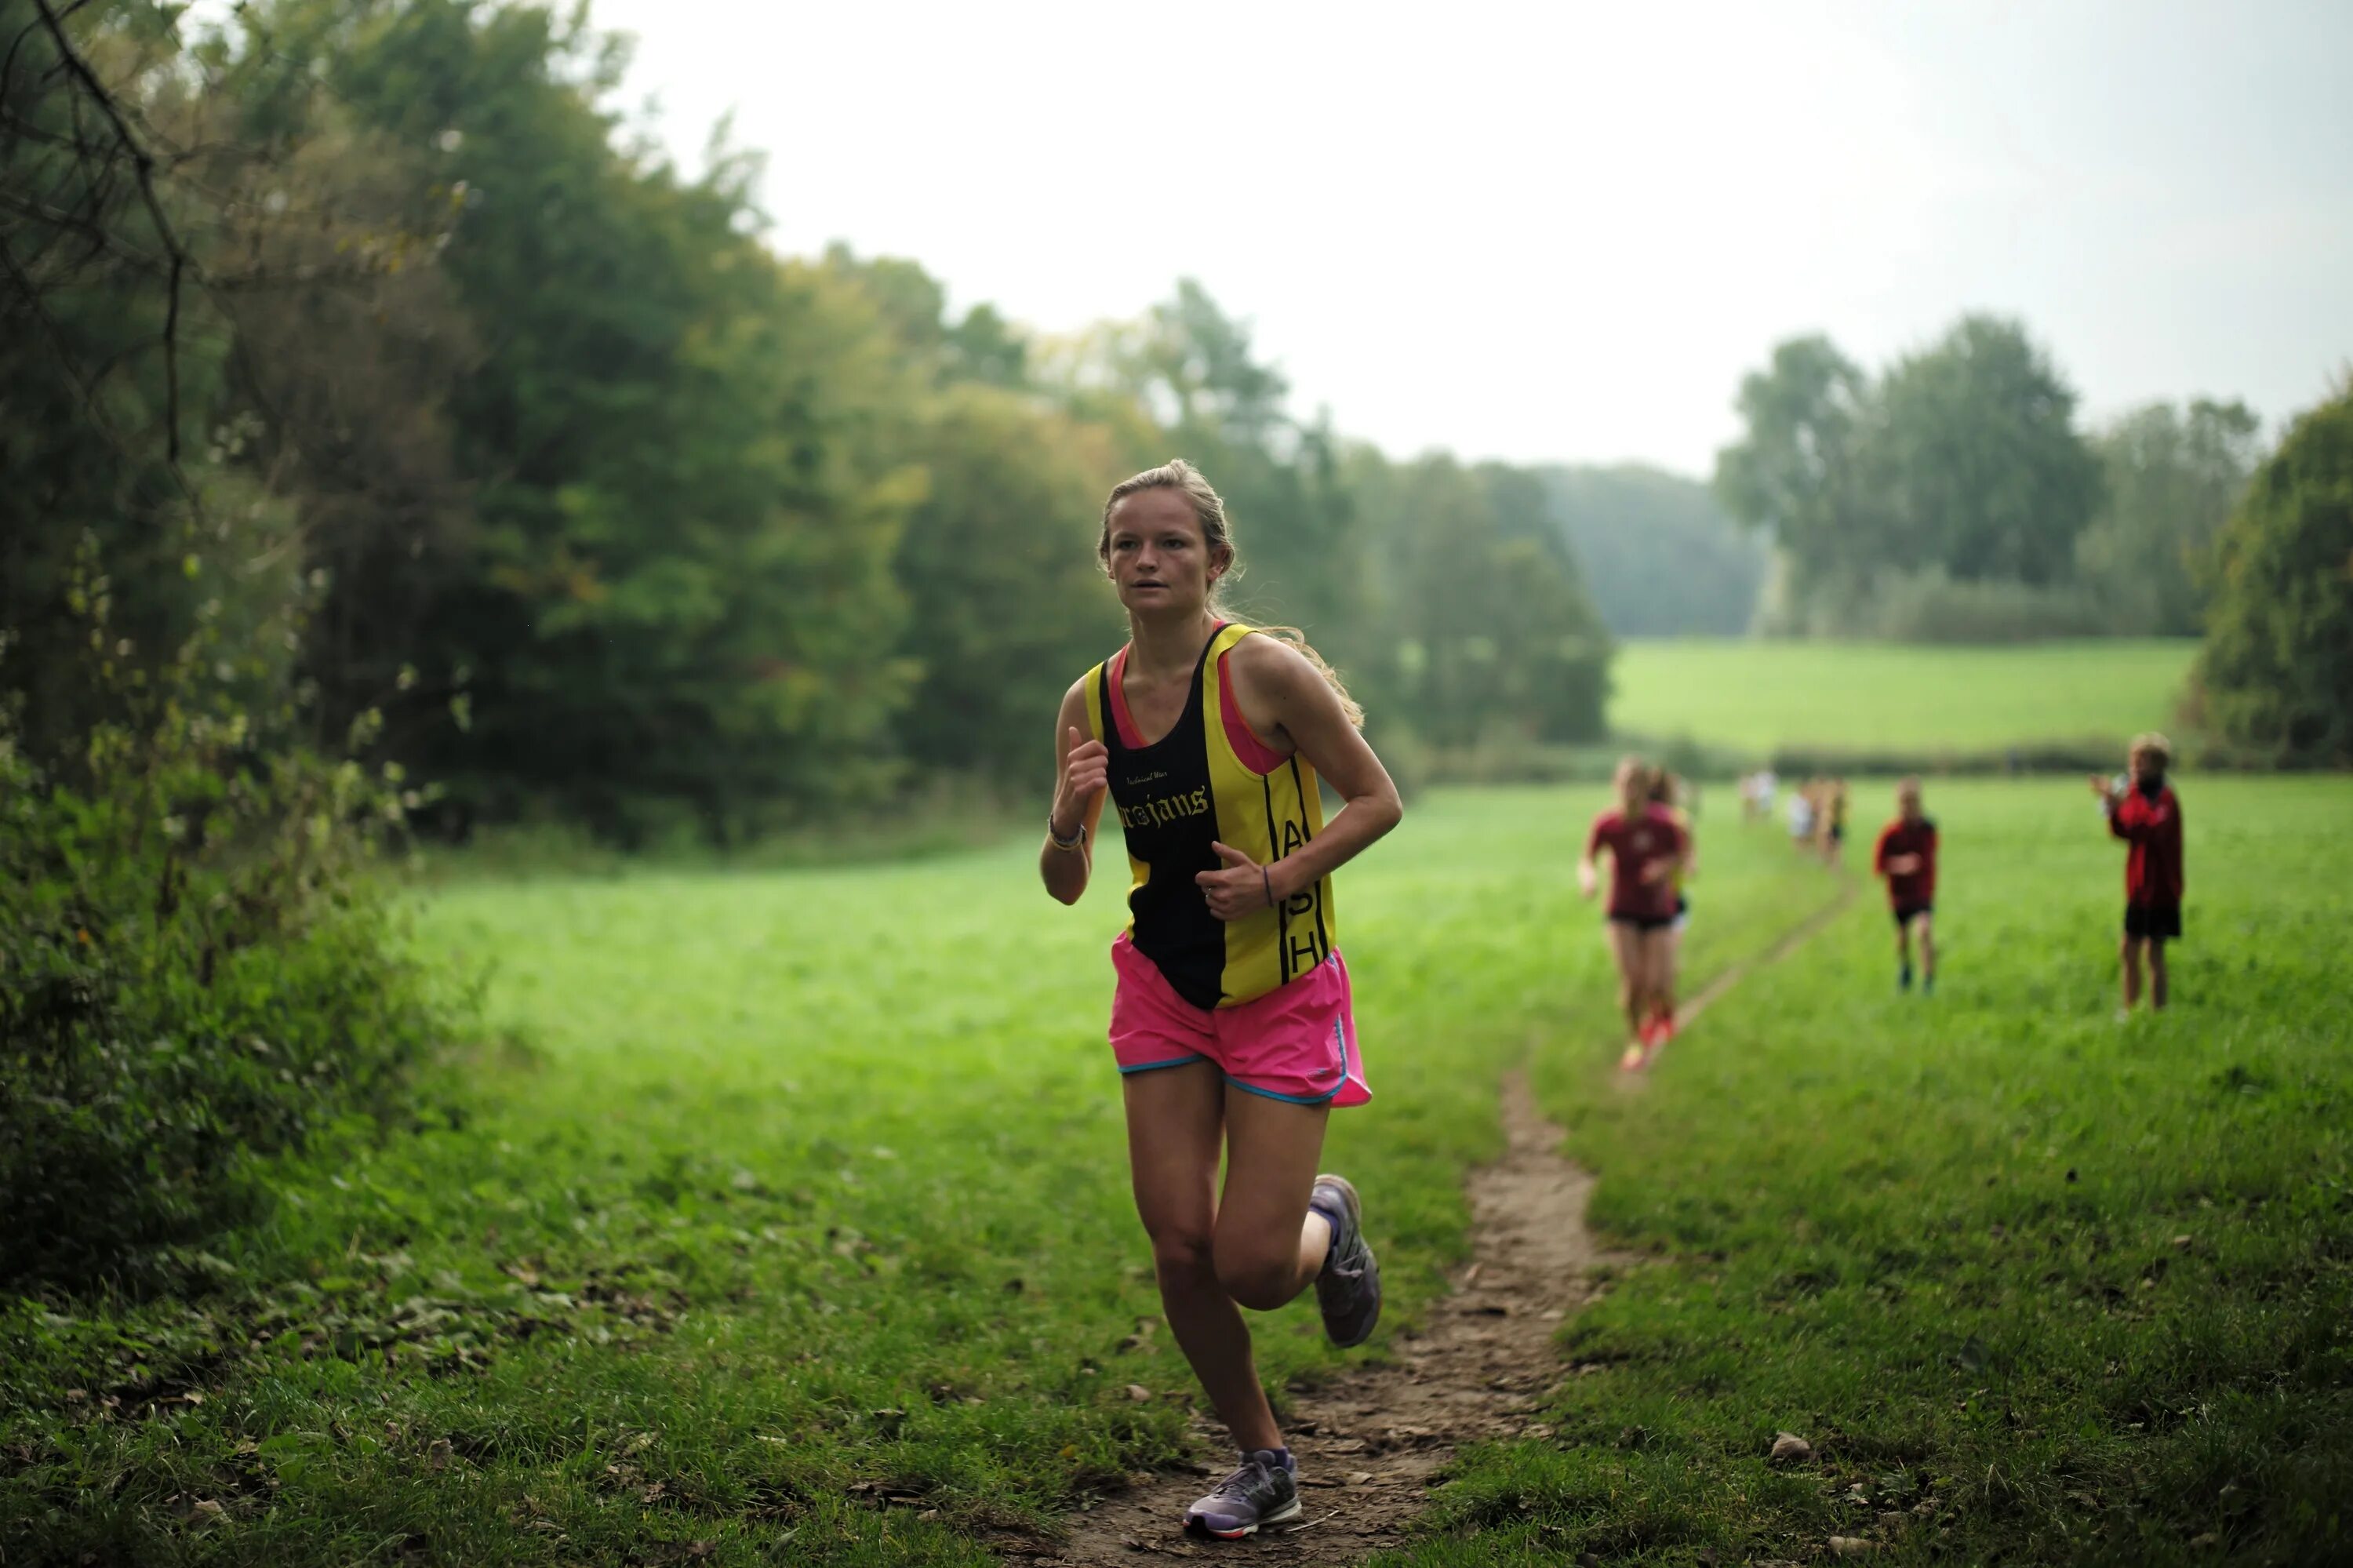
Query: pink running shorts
[1297, 1042]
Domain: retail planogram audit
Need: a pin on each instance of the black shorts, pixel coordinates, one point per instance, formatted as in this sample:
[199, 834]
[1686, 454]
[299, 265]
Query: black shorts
[1838, 833]
[1906, 913]
[2156, 922]
[1643, 922]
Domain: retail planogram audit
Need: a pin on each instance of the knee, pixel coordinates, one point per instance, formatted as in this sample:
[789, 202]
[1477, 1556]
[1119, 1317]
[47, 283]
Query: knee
[1256, 1273]
[1181, 1253]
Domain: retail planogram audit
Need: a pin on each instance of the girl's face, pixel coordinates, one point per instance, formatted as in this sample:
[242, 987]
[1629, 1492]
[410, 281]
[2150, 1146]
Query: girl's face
[1633, 792]
[1159, 560]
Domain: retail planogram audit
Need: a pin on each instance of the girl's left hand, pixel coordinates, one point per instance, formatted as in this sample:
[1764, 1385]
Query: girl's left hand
[1240, 888]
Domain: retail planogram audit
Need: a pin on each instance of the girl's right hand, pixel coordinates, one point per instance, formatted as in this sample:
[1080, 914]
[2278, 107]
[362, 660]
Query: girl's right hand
[1086, 769]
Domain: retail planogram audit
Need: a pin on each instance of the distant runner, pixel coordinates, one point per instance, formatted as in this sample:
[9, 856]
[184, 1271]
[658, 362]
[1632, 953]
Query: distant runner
[2147, 816]
[1231, 1024]
[1907, 856]
[1833, 822]
[1646, 847]
[1802, 818]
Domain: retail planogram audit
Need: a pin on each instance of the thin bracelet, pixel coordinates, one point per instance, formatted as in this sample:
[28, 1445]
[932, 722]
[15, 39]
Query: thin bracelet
[1266, 877]
[1068, 845]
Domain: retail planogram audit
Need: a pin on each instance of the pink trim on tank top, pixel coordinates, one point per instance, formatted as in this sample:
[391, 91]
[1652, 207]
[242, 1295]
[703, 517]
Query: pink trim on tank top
[1256, 755]
[1117, 674]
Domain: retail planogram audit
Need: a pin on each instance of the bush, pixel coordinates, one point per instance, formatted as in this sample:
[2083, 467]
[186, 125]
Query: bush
[2276, 677]
[195, 970]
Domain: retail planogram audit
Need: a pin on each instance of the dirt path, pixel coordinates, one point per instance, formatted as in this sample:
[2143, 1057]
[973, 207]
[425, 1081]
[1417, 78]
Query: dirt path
[1791, 941]
[1370, 1443]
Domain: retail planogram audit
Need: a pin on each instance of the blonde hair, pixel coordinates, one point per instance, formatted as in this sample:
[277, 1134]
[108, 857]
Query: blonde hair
[1633, 780]
[1217, 533]
[2148, 742]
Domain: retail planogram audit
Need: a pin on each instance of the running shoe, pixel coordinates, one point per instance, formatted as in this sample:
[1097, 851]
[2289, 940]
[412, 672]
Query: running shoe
[1348, 1289]
[1632, 1061]
[1264, 1490]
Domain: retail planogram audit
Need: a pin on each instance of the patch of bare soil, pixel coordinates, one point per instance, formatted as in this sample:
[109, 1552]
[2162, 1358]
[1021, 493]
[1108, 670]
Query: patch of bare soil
[1370, 1443]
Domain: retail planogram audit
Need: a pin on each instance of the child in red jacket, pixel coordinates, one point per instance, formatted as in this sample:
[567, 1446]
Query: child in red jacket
[2145, 815]
[1907, 856]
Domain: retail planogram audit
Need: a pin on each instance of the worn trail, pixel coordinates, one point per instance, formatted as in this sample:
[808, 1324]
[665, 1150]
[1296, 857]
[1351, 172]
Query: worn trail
[1370, 1443]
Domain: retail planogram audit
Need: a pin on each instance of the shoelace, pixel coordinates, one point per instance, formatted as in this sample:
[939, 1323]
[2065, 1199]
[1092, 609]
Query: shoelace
[1238, 1485]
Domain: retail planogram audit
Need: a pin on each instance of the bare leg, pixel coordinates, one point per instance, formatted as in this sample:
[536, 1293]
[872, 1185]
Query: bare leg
[1927, 924]
[1671, 952]
[1626, 946]
[1658, 969]
[1269, 1245]
[2157, 973]
[1176, 1121]
[2131, 950]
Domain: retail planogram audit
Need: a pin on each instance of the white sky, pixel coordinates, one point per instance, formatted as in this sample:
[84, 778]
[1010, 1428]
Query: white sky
[1563, 231]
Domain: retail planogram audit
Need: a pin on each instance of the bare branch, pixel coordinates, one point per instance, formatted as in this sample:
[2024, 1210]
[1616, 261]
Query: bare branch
[144, 164]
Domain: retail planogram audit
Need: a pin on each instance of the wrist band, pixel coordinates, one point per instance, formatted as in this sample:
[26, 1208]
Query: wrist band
[1059, 842]
[1267, 878]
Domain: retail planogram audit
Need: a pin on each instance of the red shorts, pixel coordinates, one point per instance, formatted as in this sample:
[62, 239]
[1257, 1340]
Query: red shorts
[1297, 1042]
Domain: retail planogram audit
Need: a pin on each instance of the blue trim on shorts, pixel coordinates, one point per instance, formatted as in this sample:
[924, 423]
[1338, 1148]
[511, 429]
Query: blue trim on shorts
[1291, 1099]
[1171, 1062]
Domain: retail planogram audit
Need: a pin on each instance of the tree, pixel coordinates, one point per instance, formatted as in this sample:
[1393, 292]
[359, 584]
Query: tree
[677, 591]
[2173, 476]
[1792, 474]
[1970, 461]
[2276, 672]
[1492, 629]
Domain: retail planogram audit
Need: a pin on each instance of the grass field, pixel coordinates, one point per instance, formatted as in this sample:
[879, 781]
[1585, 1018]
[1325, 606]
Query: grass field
[1755, 695]
[788, 1223]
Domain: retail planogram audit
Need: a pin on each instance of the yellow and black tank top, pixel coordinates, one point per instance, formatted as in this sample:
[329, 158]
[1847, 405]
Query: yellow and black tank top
[1211, 780]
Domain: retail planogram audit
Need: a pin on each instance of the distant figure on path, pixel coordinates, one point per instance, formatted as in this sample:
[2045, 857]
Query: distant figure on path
[1907, 856]
[1802, 818]
[1231, 1023]
[2145, 815]
[1647, 847]
[1832, 812]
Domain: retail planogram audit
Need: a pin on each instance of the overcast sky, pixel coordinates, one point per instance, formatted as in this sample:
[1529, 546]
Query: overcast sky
[1550, 231]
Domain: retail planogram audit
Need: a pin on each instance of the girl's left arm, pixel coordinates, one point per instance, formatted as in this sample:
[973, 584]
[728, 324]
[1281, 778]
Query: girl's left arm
[1284, 686]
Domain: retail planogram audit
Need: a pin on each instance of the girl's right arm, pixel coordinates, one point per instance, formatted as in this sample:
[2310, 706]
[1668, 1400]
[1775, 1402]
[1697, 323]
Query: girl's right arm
[1081, 767]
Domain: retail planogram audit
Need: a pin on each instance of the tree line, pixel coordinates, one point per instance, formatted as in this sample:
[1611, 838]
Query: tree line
[364, 346]
[1954, 497]
[596, 506]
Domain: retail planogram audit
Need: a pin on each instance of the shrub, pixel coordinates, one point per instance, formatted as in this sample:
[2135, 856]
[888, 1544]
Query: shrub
[196, 970]
[2276, 677]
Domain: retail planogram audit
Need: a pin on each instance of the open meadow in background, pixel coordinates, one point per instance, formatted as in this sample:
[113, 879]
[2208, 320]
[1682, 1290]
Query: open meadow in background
[1755, 697]
[785, 1218]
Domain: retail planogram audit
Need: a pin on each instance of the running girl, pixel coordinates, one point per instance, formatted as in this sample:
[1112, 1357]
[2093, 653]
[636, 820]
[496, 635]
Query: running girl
[1230, 1023]
[2148, 818]
[1646, 847]
[1907, 856]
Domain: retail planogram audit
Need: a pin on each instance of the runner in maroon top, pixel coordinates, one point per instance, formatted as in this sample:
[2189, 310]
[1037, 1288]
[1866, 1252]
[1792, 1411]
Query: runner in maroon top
[2145, 815]
[1647, 847]
[1907, 856]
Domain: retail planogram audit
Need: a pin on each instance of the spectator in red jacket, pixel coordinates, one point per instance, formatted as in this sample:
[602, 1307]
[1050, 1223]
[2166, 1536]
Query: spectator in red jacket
[1907, 856]
[2145, 814]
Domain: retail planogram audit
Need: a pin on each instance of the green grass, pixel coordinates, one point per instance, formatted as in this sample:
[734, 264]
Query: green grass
[1884, 698]
[2079, 1290]
[784, 1219]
